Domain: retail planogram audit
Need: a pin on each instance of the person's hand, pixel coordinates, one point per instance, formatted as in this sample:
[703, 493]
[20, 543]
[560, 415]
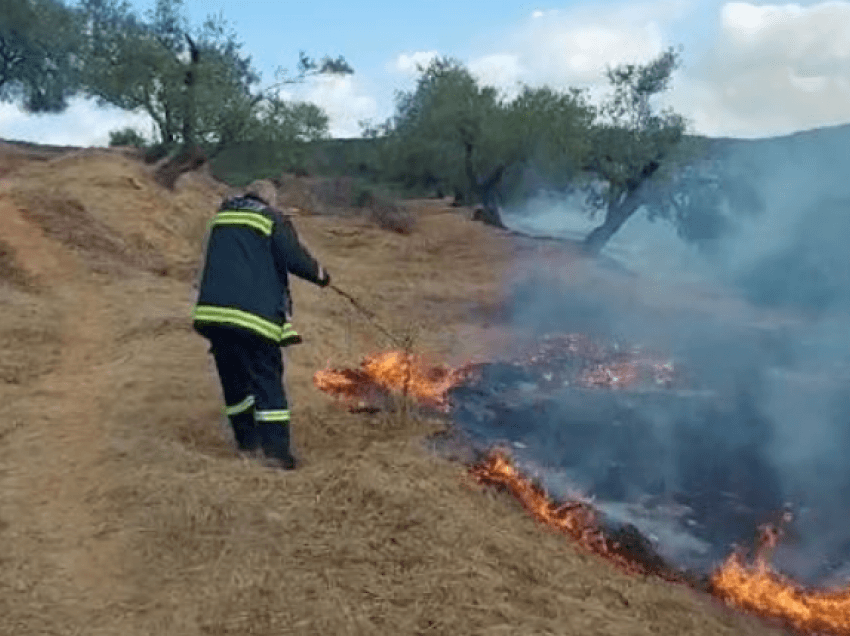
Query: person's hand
[324, 277]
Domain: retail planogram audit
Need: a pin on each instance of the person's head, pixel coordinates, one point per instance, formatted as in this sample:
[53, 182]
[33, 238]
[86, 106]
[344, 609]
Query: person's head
[263, 191]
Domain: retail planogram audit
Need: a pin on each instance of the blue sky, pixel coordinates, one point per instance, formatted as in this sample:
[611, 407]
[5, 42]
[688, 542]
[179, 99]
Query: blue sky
[751, 69]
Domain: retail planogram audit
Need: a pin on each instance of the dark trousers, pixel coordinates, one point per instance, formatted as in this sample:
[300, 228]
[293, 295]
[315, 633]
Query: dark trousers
[251, 372]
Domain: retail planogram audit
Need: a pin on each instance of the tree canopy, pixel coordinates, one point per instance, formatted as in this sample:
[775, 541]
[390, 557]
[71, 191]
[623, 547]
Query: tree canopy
[626, 153]
[450, 130]
[195, 82]
[38, 39]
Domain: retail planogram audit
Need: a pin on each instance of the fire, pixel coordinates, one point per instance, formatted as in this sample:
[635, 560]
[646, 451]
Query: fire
[392, 372]
[576, 519]
[756, 589]
[759, 589]
[604, 366]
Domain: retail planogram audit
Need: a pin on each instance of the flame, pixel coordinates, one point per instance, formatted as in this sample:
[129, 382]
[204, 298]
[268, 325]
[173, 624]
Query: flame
[756, 589]
[759, 589]
[576, 519]
[394, 372]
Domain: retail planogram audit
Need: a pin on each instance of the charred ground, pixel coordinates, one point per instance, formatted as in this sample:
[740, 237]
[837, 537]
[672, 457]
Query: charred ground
[122, 507]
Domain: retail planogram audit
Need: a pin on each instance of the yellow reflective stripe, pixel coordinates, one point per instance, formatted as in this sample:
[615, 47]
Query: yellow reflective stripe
[271, 416]
[288, 330]
[255, 220]
[239, 318]
[243, 406]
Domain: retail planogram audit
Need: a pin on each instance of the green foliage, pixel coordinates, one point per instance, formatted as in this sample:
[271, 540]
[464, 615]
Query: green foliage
[450, 133]
[631, 134]
[37, 41]
[198, 89]
[546, 130]
[195, 83]
[437, 126]
[127, 137]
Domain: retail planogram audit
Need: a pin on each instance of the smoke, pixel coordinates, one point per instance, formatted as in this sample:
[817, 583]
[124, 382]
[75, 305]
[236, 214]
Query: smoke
[761, 321]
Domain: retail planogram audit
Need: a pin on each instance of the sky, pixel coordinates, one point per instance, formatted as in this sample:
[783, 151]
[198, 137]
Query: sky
[749, 69]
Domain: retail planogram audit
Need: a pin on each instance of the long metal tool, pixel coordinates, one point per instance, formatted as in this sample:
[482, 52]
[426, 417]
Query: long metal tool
[370, 316]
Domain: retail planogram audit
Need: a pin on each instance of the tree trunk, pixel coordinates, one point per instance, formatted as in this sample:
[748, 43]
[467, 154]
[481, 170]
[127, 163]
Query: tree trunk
[487, 191]
[471, 189]
[619, 213]
[615, 216]
[188, 159]
[189, 96]
[489, 215]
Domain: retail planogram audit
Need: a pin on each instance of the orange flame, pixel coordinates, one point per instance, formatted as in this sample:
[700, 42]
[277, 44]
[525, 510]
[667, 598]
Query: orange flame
[756, 589]
[759, 589]
[394, 372]
[576, 519]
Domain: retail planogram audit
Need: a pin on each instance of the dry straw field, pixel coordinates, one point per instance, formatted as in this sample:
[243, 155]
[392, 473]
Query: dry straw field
[123, 509]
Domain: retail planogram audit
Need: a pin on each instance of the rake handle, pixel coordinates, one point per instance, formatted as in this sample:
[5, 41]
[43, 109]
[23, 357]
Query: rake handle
[370, 316]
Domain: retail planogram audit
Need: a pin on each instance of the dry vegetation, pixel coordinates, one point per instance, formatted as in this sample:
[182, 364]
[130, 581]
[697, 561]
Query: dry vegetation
[123, 509]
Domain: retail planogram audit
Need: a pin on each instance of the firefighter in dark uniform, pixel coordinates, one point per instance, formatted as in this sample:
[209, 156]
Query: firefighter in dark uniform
[244, 309]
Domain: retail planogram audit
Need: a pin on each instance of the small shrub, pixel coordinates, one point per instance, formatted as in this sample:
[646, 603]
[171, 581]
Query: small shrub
[388, 215]
[156, 152]
[127, 137]
[336, 192]
[363, 196]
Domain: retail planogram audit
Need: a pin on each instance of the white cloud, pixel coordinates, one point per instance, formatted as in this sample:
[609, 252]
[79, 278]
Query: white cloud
[772, 69]
[750, 70]
[574, 47]
[85, 124]
[344, 100]
[82, 124]
[500, 70]
[409, 63]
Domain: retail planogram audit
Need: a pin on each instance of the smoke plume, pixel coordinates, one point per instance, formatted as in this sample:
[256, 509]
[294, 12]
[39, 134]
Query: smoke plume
[761, 322]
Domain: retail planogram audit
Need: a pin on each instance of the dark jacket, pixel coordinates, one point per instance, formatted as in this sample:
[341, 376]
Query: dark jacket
[250, 250]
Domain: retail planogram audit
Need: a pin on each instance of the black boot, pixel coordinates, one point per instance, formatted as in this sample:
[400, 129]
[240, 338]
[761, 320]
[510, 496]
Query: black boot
[245, 432]
[274, 439]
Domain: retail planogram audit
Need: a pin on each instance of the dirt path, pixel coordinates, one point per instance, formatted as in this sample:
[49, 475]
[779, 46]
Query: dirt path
[55, 459]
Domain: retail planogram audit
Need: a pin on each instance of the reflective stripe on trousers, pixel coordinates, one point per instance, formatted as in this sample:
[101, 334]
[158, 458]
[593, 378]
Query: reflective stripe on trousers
[241, 407]
[281, 416]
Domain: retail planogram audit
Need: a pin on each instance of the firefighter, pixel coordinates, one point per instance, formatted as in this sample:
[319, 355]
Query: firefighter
[244, 311]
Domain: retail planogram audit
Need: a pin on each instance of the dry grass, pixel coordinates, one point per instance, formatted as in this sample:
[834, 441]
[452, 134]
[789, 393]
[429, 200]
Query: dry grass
[167, 532]
[11, 273]
[390, 215]
[342, 197]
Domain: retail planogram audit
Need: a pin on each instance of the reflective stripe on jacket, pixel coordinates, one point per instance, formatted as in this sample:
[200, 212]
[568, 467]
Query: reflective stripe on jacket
[249, 252]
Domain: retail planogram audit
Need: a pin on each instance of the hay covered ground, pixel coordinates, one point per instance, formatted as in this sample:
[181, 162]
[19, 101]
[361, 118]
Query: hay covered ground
[123, 509]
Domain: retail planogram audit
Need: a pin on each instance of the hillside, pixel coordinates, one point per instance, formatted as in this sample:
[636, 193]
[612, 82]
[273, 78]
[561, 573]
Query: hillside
[123, 509]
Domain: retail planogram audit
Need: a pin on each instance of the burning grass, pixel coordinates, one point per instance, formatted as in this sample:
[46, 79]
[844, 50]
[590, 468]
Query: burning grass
[758, 589]
[755, 588]
[576, 519]
[572, 358]
[391, 372]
